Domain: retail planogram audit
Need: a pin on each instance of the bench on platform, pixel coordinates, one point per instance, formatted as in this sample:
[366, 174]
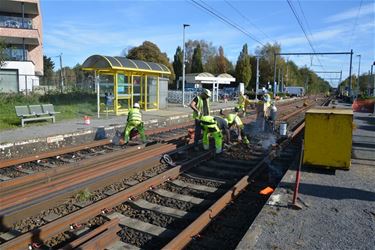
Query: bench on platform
[35, 113]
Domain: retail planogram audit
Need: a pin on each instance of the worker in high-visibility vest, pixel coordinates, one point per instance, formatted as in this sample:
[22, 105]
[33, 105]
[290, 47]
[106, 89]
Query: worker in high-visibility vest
[213, 126]
[201, 107]
[235, 120]
[134, 121]
[242, 103]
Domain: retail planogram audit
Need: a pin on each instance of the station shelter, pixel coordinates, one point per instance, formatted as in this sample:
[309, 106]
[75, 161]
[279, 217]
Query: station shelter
[207, 78]
[126, 81]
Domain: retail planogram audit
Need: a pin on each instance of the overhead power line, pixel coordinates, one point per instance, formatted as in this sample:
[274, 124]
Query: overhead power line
[226, 20]
[303, 29]
[247, 19]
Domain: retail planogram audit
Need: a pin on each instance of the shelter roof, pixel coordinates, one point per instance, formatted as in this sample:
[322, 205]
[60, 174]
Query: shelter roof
[100, 62]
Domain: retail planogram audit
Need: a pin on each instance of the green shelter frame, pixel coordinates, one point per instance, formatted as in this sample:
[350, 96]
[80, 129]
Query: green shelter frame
[129, 81]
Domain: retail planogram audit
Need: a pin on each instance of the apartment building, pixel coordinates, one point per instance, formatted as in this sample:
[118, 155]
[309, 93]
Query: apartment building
[21, 32]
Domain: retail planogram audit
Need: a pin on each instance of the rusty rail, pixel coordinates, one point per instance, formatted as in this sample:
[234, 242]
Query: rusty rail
[67, 180]
[65, 150]
[60, 225]
[182, 239]
[99, 238]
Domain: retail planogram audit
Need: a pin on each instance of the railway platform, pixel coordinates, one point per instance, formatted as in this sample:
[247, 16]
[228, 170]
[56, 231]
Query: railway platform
[337, 207]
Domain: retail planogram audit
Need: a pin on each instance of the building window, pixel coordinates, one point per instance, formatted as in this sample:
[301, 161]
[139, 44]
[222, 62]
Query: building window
[8, 80]
[15, 53]
[15, 22]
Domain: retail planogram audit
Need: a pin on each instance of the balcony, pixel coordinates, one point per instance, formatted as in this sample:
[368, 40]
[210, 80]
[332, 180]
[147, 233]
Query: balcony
[15, 22]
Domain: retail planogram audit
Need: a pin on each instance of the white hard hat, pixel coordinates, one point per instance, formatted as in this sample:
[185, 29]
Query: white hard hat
[136, 105]
[207, 92]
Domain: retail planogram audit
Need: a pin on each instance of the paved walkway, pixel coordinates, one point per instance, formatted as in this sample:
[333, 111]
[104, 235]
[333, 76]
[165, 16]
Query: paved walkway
[34, 131]
[338, 209]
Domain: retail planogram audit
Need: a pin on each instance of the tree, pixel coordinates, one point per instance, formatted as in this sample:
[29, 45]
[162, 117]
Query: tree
[222, 65]
[243, 67]
[80, 75]
[208, 52]
[3, 56]
[48, 73]
[150, 52]
[177, 62]
[197, 65]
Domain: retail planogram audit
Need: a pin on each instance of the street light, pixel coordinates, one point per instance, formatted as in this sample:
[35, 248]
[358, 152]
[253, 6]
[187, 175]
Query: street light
[183, 64]
[359, 69]
[373, 78]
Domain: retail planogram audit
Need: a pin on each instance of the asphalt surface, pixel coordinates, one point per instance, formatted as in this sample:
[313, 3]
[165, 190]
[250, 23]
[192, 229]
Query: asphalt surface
[338, 207]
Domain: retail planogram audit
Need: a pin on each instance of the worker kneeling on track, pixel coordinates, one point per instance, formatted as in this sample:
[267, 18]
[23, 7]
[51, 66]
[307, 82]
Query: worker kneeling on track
[234, 119]
[213, 126]
[134, 121]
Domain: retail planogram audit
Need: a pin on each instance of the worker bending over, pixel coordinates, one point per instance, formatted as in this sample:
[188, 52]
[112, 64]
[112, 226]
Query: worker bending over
[242, 103]
[213, 126]
[235, 120]
[134, 121]
[201, 107]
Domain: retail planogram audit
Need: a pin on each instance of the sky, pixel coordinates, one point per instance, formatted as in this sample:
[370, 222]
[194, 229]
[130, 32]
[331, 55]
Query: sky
[81, 28]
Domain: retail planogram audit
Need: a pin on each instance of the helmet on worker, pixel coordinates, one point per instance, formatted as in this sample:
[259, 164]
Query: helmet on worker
[136, 105]
[206, 92]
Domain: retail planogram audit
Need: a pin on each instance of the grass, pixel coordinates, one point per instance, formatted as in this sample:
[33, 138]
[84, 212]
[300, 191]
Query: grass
[83, 195]
[71, 106]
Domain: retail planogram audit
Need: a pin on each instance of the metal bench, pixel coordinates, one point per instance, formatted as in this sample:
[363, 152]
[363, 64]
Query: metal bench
[35, 113]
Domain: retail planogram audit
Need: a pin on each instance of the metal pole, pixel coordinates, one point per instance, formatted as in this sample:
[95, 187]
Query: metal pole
[183, 64]
[61, 73]
[359, 72]
[96, 77]
[257, 80]
[373, 78]
[350, 73]
[23, 14]
[282, 81]
[274, 74]
[278, 81]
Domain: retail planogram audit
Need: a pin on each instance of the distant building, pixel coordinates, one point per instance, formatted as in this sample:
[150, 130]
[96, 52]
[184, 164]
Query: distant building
[21, 31]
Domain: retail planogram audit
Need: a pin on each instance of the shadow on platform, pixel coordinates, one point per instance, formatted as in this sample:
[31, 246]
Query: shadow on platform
[335, 193]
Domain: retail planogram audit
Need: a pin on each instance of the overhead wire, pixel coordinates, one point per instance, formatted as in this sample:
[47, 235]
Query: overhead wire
[226, 20]
[303, 29]
[247, 19]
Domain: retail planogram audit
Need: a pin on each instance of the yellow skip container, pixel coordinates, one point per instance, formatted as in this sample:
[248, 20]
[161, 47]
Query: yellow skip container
[328, 137]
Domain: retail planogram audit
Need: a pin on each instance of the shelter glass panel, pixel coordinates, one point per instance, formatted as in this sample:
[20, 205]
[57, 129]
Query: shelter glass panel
[123, 86]
[152, 92]
[137, 90]
[106, 84]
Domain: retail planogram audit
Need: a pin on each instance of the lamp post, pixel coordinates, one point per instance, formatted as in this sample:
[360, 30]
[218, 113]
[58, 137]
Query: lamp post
[257, 79]
[359, 69]
[183, 64]
[373, 79]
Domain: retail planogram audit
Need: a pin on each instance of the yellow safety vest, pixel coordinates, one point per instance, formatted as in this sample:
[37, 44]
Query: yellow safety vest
[209, 123]
[200, 106]
[134, 115]
[234, 118]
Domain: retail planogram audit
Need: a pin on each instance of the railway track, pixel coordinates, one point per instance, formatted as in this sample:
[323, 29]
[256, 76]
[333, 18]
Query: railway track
[169, 213]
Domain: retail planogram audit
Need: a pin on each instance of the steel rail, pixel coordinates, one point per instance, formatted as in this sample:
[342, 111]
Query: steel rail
[60, 225]
[65, 150]
[184, 237]
[68, 180]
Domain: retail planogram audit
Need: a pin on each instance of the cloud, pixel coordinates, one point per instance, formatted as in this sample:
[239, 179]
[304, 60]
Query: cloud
[352, 13]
